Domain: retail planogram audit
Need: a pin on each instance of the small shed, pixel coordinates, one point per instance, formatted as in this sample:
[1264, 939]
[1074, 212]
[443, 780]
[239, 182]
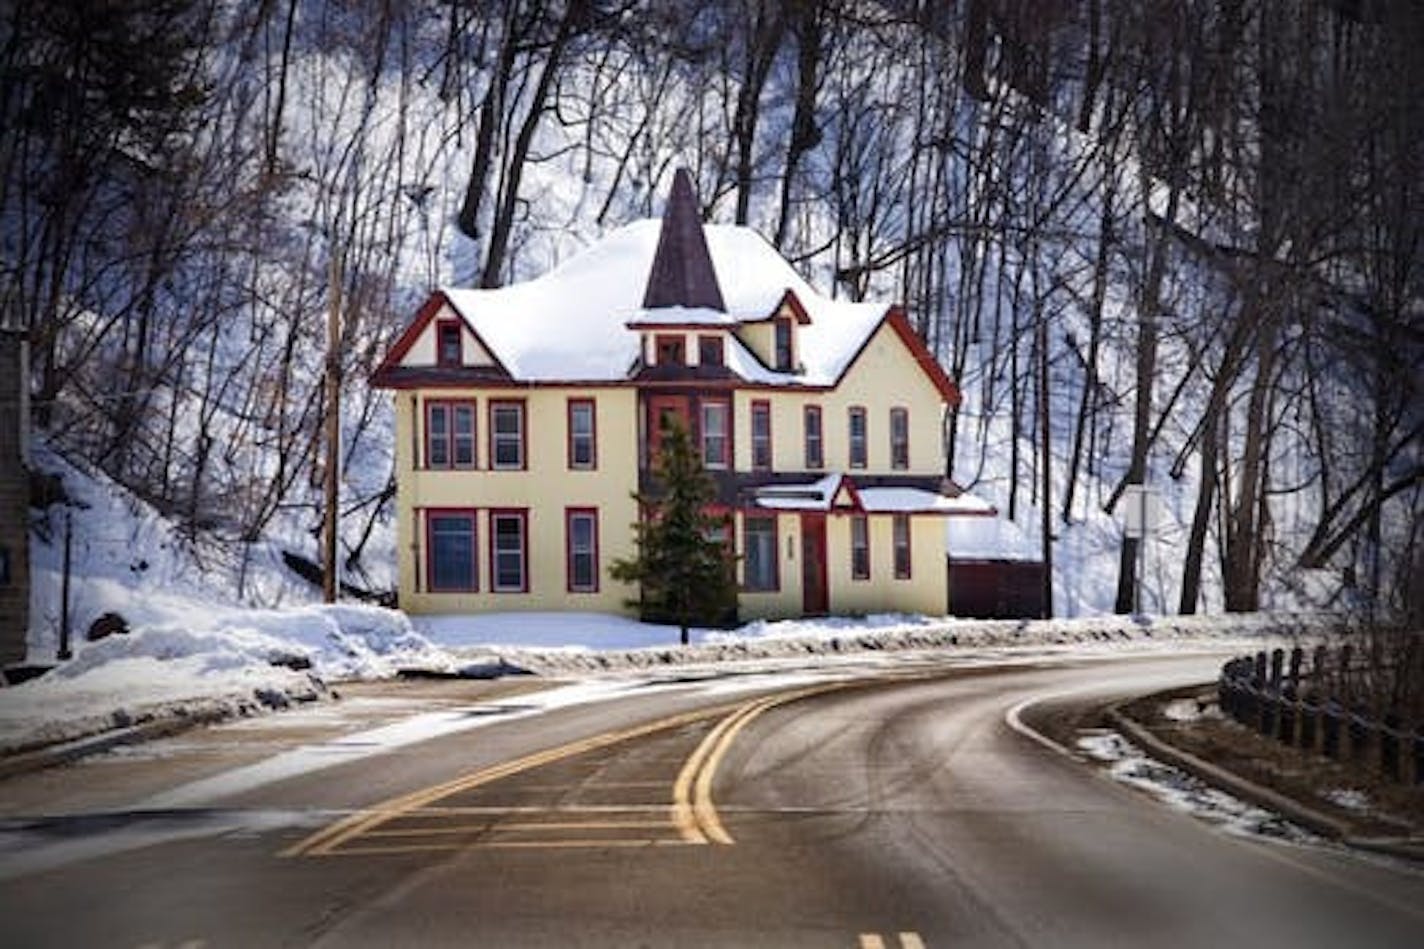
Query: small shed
[995, 569]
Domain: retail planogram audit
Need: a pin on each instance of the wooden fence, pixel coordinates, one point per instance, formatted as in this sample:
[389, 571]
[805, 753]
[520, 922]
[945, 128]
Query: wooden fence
[1328, 705]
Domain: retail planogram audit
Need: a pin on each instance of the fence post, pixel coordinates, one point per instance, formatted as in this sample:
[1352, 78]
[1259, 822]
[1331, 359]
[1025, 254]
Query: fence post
[1330, 720]
[1389, 746]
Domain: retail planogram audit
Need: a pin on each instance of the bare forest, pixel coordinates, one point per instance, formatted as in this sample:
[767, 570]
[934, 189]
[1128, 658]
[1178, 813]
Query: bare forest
[1174, 243]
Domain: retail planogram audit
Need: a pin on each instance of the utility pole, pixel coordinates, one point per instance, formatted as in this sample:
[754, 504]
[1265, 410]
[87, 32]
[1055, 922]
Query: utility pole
[65, 652]
[329, 582]
[1045, 465]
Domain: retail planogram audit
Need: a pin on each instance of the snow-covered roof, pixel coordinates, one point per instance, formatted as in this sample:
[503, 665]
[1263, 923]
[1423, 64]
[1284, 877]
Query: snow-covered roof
[919, 501]
[571, 324]
[989, 538]
[821, 495]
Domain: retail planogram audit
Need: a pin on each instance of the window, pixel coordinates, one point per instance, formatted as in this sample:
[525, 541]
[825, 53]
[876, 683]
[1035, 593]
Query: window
[669, 350]
[759, 553]
[709, 350]
[900, 438]
[450, 546]
[761, 435]
[714, 434]
[583, 451]
[815, 452]
[508, 552]
[581, 546]
[450, 434]
[857, 437]
[448, 344]
[901, 530]
[506, 434]
[783, 343]
[859, 547]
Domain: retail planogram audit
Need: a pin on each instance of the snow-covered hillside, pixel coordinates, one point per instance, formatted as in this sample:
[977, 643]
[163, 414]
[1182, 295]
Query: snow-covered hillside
[1070, 198]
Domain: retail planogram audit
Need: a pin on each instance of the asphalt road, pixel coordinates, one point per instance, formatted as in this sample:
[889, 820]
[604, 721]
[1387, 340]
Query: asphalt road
[905, 808]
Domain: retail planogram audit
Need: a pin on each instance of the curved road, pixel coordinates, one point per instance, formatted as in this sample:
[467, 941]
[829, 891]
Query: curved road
[905, 808]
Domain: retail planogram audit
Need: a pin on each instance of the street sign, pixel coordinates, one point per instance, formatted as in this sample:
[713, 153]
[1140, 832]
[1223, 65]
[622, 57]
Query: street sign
[1141, 510]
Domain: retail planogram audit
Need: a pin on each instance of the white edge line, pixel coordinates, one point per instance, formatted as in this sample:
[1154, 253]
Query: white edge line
[1014, 719]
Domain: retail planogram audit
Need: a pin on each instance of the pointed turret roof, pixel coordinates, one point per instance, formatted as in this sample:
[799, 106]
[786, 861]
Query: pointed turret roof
[682, 273]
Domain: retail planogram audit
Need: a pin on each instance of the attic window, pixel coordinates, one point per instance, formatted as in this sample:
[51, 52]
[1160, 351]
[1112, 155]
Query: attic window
[709, 350]
[449, 351]
[670, 351]
[783, 343]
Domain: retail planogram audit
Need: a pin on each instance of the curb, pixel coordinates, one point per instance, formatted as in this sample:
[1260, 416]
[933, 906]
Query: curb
[1317, 821]
[70, 751]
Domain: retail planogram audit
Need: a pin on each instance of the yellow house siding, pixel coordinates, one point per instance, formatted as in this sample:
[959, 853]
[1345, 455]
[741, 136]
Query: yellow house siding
[787, 600]
[926, 590]
[546, 488]
[885, 377]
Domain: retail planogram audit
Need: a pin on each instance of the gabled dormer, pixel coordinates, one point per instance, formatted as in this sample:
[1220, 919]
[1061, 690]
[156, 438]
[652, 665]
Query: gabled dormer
[439, 346]
[774, 339]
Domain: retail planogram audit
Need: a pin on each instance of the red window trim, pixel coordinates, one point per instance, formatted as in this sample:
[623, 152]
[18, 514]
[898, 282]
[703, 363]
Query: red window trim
[775, 552]
[702, 340]
[523, 514]
[904, 413]
[862, 519]
[763, 406]
[450, 404]
[852, 412]
[569, 514]
[473, 514]
[440, 326]
[909, 571]
[725, 462]
[673, 338]
[820, 459]
[592, 434]
[523, 465]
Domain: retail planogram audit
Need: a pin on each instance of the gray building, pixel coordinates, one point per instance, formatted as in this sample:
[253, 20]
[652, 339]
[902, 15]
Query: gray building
[14, 492]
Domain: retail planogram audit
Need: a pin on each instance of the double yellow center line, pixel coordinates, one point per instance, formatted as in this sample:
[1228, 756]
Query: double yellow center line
[693, 812]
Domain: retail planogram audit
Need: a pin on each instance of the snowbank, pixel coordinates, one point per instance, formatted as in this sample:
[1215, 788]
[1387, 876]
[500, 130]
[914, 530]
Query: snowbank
[222, 661]
[576, 643]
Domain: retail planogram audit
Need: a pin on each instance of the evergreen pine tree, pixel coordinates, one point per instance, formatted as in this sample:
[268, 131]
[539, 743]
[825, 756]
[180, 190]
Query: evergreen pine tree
[684, 571]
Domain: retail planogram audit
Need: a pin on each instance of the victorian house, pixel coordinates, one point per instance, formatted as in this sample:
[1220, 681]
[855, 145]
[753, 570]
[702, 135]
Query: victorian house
[526, 417]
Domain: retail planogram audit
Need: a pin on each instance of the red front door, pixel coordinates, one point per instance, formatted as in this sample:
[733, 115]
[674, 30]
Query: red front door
[662, 409]
[815, 598]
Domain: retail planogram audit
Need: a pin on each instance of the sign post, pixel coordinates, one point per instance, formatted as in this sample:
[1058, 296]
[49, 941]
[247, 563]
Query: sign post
[1140, 511]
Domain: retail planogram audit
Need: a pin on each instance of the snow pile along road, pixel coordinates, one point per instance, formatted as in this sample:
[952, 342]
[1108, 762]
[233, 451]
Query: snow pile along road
[223, 662]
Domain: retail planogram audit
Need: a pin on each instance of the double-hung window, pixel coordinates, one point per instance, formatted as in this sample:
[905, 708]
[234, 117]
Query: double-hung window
[859, 547]
[761, 435]
[583, 451]
[509, 551]
[901, 531]
[450, 434]
[782, 329]
[450, 546]
[900, 439]
[759, 553]
[506, 451]
[815, 445]
[581, 537]
[857, 436]
[714, 434]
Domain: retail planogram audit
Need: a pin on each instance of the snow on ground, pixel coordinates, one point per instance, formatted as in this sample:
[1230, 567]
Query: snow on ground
[1176, 788]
